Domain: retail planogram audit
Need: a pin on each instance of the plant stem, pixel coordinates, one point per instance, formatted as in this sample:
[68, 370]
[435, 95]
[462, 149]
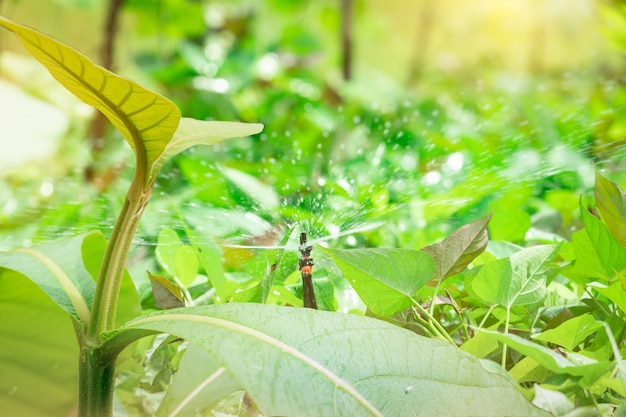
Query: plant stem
[112, 269]
[433, 324]
[96, 384]
[506, 331]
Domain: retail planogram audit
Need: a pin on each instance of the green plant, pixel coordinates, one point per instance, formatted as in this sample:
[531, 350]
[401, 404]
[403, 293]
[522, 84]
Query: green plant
[287, 361]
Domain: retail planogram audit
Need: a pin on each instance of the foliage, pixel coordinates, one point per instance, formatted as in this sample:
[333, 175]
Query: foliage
[525, 272]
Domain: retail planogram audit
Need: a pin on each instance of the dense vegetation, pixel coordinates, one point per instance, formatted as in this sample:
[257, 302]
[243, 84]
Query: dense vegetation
[400, 181]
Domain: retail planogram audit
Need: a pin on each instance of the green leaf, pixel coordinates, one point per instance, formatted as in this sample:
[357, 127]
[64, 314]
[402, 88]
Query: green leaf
[198, 383]
[517, 280]
[146, 120]
[598, 254]
[168, 243]
[385, 279]
[192, 132]
[38, 351]
[186, 264]
[210, 255]
[572, 332]
[456, 251]
[551, 360]
[59, 271]
[615, 293]
[554, 401]
[314, 363]
[611, 202]
[166, 294]
[150, 123]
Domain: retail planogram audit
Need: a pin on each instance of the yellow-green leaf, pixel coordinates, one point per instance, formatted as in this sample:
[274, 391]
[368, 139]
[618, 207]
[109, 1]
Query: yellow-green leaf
[193, 132]
[146, 119]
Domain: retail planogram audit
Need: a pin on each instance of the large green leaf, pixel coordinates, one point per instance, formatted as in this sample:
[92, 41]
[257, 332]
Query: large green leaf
[516, 280]
[598, 254]
[38, 352]
[301, 362]
[146, 120]
[149, 122]
[59, 271]
[385, 279]
[455, 252]
[611, 201]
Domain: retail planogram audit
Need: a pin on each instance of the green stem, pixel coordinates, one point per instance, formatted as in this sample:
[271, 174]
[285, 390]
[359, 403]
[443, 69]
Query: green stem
[487, 314]
[112, 269]
[96, 384]
[431, 310]
[506, 331]
[433, 324]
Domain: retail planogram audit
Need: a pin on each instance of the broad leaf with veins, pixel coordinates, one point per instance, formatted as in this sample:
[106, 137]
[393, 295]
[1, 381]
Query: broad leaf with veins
[150, 123]
[305, 362]
[456, 251]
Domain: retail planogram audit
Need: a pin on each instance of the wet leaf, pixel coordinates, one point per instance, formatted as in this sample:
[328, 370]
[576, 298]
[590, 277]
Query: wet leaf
[517, 280]
[611, 202]
[313, 363]
[385, 279]
[456, 251]
[166, 294]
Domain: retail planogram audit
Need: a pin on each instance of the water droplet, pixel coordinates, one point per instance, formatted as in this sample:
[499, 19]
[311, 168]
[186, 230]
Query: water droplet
[46, 189]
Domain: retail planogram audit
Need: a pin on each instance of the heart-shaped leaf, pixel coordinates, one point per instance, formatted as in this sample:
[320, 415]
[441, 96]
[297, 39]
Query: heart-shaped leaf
[456, 251]
[611, 201]
[314, 363]
[517, 280]
[385, 279]
[572, 332]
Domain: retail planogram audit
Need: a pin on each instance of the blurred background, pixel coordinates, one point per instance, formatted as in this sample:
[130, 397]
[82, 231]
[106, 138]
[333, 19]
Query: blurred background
[416, 115]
